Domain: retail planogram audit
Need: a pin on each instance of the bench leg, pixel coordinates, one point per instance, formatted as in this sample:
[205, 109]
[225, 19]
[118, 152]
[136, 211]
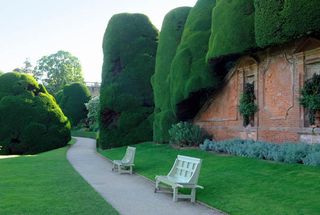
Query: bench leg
[157, 186]
[175, 194]
[130, 170]
[193, 194]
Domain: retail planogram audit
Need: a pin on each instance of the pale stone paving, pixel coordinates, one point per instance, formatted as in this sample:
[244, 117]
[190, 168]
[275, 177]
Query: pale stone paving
[128, 194]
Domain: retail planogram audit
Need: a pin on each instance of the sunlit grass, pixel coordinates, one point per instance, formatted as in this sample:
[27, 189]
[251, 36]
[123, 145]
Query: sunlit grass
[238, 185]
[46, 184]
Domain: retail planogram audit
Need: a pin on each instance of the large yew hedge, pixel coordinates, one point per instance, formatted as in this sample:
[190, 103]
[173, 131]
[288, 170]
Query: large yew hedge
[232, 30]
[126, 98]
[72, 101]
[30, 119]
[277, 22]
[170, 37]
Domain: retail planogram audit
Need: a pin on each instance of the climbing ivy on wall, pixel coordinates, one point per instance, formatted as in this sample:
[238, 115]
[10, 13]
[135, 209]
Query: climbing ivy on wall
[171, 31]
[126, 98]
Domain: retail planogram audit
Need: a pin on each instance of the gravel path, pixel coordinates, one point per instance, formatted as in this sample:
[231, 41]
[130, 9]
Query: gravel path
[128, 194]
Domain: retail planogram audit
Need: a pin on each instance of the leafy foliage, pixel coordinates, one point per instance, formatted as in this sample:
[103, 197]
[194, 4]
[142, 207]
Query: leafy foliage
[232, 28]
[185, 134]
[277, 22]
[310, 96]
[171, 32]
[30, 120]
[93, 107]
[72, 102]
[247, 107]
[58, 70]
[126, 105]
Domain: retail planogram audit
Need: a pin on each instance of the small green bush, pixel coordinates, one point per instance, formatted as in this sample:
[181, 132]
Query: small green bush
[310, 96]
[72, 102]
[286, 152]
[93, 107]
[185, 134]
[30, 119]
[247, 107]
[312, 159]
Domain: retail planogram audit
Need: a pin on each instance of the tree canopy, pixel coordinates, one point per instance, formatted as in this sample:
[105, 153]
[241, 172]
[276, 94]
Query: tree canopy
[126, 98]
[30, 119]
[58, 70]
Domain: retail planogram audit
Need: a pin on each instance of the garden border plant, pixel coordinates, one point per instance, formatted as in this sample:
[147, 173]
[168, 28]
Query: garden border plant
[286, 152]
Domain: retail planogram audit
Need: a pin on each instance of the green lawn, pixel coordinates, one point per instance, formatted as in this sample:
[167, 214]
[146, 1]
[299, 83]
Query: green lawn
[79, 133]
[46, 184]
[238, 185]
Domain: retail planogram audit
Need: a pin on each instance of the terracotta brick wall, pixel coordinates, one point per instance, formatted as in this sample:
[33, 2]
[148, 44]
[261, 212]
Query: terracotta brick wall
[278, 74]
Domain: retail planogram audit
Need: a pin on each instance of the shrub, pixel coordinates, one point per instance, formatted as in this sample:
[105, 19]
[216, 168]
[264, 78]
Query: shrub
[93, 107]
[277, 22]
[169, 39]
[247, 107]
[232, 28]
[287, 152]
[312, 159]
[185, 134]
[126, 105]
[310, 96]
[72, 102]
[30, 119]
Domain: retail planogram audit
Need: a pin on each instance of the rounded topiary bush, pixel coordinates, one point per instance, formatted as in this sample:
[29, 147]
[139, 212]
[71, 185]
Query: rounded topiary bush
[126, 98]
[30, 119]
[232, 28]
[189, 71]
[171, 31]
[72, 102]
[277, 22]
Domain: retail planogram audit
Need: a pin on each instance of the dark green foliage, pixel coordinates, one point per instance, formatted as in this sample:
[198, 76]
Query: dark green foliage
[310, 96]
[277, 22]
[247, 106]
[171, 31]
[189, 71]
[30, 119]
[126, 98]
[232, 28]
[72, 102]
[185, 134]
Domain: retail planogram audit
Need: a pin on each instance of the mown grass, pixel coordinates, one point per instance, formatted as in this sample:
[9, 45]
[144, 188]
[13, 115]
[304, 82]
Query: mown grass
[80, 133]
[46, 184]
[238, 185]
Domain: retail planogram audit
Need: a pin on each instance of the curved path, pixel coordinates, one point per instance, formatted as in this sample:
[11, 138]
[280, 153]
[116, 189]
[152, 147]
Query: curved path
[128, 194]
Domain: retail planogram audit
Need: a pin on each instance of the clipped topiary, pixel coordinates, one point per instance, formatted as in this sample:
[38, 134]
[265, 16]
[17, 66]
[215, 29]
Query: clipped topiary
[126, 98]
[232, 28]
[171, 31]
[30, 119]
[72, 102]
[277, 22]
[190, 73]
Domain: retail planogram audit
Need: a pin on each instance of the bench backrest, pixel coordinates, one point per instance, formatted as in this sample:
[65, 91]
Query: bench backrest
[186, 169]
[129, 156]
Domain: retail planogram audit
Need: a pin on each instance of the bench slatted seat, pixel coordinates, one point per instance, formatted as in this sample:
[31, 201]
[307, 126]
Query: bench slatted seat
[183, 174]
[126, 164]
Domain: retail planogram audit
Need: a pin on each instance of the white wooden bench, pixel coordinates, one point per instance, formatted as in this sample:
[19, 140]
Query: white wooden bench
[183, 174]
[126, 164]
